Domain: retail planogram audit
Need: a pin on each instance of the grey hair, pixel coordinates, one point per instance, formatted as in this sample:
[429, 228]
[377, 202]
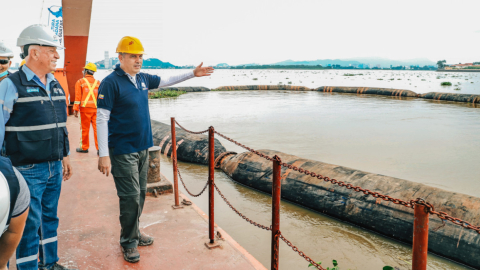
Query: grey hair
[33, 47]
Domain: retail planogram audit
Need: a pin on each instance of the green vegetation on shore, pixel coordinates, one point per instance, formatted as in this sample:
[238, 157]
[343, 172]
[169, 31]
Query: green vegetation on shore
[446, 83]
[165, 94]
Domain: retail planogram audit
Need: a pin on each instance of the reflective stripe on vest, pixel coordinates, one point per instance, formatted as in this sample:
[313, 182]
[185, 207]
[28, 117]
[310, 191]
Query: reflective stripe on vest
[90, 93]
[34, 128]
[31, 99]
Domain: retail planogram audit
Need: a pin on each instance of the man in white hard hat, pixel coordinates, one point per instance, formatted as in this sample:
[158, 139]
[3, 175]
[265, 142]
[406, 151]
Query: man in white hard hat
[6, 54]
[14, 202]
[35, 138]
[125, 134]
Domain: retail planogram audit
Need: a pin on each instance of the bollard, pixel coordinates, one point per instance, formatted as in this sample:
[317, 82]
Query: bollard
[155, 184]
[153, 175]
[420, 238]
[276, 197]
[174, 159]
[211, 202]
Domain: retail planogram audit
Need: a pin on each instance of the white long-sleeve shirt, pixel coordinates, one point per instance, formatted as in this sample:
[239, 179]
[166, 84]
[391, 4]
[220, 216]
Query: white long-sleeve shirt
[103, 115]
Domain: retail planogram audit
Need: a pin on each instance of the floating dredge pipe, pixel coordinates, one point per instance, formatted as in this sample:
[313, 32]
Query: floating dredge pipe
[368, 90]
[395, 221]
[469, 98]
[190, 147]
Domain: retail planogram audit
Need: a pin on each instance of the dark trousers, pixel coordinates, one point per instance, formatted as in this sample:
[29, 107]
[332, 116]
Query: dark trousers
[130, 174]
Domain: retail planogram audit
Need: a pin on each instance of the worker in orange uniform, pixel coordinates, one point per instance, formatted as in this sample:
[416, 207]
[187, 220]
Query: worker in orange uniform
[86, 93]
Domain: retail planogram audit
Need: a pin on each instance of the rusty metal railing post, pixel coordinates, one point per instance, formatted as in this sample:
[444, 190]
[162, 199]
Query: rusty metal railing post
[420, 238]
[211, 171]
[211, 187]
[276, 197]
[174, 160]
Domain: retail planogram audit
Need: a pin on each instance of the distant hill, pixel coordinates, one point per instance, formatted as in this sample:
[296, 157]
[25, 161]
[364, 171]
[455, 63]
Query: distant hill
[248, 65]
[224, 65]
[147, 63]
[156, 63]
[372, 61]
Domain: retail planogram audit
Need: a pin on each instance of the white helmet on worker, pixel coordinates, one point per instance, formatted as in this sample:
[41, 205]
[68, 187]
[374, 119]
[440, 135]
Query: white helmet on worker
[37, 34]
[5, 50]
[4, 203]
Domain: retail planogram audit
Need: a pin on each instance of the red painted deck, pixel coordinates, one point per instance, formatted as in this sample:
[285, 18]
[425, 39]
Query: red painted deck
[89, 226]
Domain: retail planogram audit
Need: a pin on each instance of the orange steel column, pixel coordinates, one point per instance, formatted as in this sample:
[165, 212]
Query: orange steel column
[61, 77]
[420, 238]
[276, 198]
[174, 160]
[76, 27]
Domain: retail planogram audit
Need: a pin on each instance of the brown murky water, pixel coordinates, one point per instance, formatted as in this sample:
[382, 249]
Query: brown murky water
[432, 142]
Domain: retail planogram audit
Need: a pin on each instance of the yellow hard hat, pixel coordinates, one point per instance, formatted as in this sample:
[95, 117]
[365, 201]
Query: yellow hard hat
[91, 66]
[23, 62]
[130, 45]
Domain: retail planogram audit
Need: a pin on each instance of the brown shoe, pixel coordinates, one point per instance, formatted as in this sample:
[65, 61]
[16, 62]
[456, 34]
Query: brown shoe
[145, 240]
[131, 254]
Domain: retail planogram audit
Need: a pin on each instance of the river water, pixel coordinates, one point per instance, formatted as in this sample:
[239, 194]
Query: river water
[431, 142]
[418, 81]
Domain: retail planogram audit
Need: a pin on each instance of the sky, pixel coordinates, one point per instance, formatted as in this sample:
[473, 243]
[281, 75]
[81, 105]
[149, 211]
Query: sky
[187, 32]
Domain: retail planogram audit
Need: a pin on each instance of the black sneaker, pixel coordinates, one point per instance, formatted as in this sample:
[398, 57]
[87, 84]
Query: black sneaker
[145, 240]
[57, 266]
[80, 150]
[131, 254]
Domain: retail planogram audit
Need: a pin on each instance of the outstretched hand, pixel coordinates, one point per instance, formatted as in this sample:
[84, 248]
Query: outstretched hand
[202, 71]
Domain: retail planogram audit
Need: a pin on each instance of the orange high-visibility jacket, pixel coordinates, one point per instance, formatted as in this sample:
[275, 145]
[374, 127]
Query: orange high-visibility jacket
[86, 93]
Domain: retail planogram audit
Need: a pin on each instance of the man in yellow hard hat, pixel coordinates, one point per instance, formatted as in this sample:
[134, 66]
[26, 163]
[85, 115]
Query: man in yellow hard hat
[86, 92]
[125, 134]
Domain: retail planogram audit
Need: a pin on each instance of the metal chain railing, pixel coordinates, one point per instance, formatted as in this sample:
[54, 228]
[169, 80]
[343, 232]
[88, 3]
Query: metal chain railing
[409, 204]
[183, 183]
[244, 146]
[445, 216]
[294, 248]
[240, 214]
[193, 132]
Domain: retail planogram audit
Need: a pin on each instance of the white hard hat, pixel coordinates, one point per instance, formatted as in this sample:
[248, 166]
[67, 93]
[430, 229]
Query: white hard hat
[40, 35]
[4, 203]
[5, 51]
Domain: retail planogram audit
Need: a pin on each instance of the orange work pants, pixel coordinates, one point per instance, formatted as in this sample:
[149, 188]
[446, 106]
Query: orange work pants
[87, 116]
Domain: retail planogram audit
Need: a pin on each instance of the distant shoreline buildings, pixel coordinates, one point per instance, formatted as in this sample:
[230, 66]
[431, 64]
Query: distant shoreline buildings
[474, 65]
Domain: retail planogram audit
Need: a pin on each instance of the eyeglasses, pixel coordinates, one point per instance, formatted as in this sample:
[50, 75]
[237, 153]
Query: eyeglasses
[4, 62]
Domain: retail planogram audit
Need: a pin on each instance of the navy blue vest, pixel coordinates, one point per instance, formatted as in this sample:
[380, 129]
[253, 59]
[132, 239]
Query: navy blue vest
[12, 180]
[36, 131]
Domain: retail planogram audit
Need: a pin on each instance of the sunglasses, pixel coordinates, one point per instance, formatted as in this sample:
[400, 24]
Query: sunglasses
[4, 62]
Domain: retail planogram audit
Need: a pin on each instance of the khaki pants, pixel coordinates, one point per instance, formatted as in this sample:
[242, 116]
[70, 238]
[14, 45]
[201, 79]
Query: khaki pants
[130, 174]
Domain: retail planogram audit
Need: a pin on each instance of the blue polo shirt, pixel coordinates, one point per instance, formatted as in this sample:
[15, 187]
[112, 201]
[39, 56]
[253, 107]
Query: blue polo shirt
[129, 127]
